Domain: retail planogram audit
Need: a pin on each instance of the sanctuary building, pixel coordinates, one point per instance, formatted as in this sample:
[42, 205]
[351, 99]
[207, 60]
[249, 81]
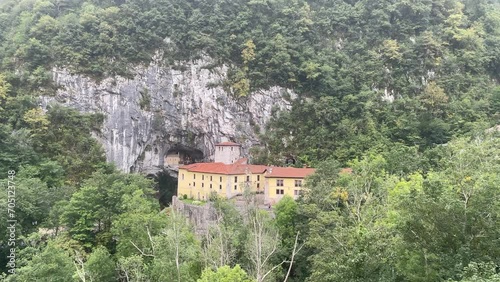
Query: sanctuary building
[230, 175]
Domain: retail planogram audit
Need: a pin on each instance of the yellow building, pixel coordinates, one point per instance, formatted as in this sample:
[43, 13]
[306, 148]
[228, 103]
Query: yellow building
[199, 180]
[229, 176]
[172, 159]
[175, 158]
[281, 181]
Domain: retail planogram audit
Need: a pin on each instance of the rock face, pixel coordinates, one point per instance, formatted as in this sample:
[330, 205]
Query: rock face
[162, 108]
[201, 217]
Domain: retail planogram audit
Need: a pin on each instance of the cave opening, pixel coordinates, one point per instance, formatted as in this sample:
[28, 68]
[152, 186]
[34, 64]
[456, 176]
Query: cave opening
[165, 186]
[182, 155]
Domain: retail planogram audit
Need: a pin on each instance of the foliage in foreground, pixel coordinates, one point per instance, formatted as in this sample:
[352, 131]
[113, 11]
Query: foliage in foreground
[422, 202]
[368, 74]
[364, 225]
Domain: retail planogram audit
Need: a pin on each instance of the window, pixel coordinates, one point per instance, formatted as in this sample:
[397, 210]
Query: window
[194, 176]
[280, 191]
[210, 178]
[221, 179]
[279, 182]
[248, 178]
[202, 185]
[258, 185]
[235, 179]
[210, 186]
[194, 184]
[235, 187]
[183, 176]
[296, 192]
[231, 148]
[258, 177]
[203, 177]
[220, 187]
[298, 183]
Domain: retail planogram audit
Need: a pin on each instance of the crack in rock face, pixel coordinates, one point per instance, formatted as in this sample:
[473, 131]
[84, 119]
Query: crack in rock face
[161, 108]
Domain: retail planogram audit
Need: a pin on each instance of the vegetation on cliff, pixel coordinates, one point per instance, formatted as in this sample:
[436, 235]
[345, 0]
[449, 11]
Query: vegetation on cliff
[400, 91]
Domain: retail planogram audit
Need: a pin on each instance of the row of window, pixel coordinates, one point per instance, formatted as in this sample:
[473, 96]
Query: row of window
[203, 177]
[203, 185]
[220, 186]
[248, 178]
[278, 191]
[279, 183]
[222, 148]
[282, 192]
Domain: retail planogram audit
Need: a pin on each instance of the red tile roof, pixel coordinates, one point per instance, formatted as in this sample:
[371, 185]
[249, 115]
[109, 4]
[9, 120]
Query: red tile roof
[227, 144]
[289, 172]
[241, 167]
[257, 168]
[218, 168]
[221, 168]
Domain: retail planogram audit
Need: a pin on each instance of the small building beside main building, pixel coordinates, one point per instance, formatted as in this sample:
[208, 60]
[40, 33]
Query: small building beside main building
[230, 175]
[281, 181]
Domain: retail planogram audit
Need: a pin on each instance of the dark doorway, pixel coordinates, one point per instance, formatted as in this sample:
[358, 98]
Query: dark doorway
[181, 155]
[166, 187]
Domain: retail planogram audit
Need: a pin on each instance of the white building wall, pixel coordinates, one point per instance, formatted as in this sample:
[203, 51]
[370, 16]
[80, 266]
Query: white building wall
[227, 154]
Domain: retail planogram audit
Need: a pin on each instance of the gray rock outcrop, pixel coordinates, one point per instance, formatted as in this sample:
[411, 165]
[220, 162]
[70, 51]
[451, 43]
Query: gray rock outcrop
[161, 108]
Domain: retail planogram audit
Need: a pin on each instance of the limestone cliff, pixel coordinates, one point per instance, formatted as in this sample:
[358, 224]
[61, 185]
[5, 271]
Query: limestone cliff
[161, 108]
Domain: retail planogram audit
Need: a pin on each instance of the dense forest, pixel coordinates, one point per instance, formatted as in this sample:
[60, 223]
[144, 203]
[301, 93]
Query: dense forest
[405, 93]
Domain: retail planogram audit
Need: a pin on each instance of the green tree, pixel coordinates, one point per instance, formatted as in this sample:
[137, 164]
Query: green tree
[33, 200]
[224, 241]
[176, 252]
[133, 268]
[100, 266]
[225, 274]
[344, 214]
[53, 264]
[286, 215]
[480, 272]
[287, 220]
[139, 221]
[16, 149]
[67, 140]
[440, 220]
[91, 212]
[262, 244]
[4, 89]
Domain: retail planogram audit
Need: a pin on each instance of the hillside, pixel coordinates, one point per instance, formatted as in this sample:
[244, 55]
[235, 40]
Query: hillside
[416, 73]
[401, 91]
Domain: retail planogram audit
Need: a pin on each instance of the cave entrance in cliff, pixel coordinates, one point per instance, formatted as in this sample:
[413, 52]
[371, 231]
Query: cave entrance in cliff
[182, 155]
[165, 187]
